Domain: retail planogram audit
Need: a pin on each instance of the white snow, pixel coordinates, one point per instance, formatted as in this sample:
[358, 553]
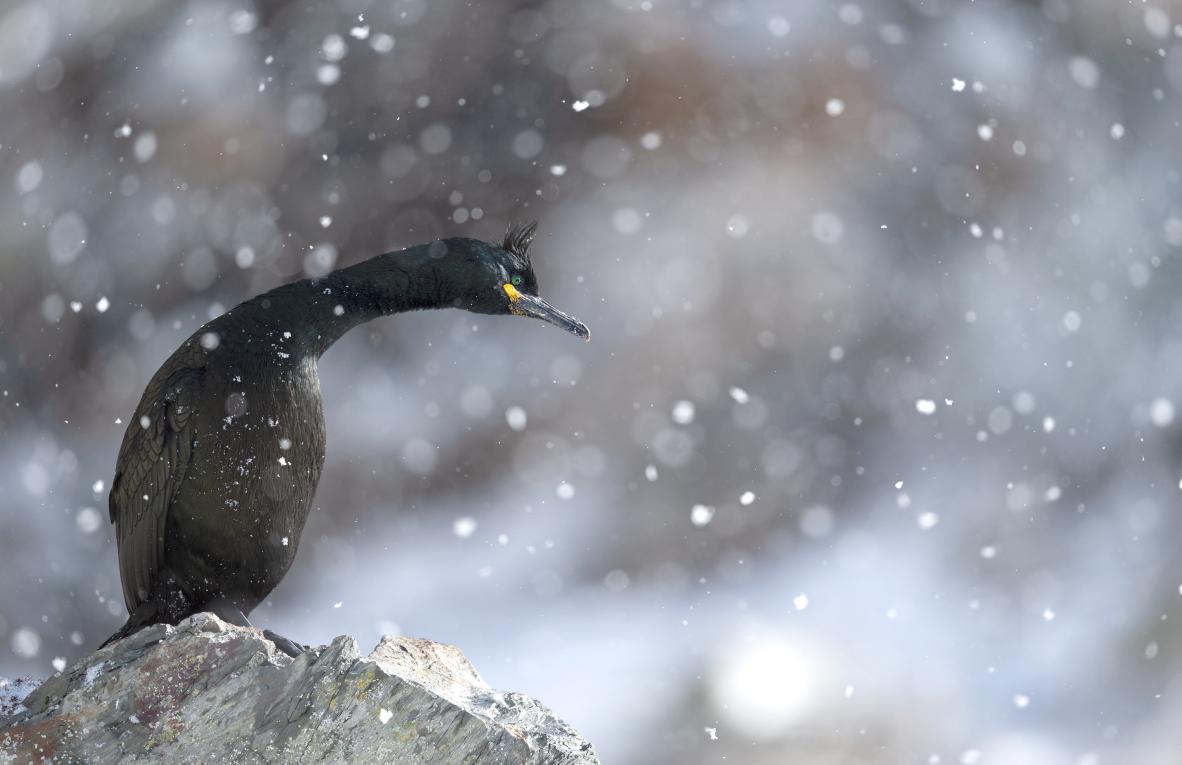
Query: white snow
[700, 515]
[92, 673]
[516, 418]
[464, 526]
[382, 43]
[779, 26]
[1161, 412]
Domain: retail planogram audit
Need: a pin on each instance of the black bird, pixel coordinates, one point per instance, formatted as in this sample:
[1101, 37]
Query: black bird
[220, 462]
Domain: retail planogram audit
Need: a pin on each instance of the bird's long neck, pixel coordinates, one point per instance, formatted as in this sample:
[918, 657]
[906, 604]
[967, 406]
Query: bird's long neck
[317, 312]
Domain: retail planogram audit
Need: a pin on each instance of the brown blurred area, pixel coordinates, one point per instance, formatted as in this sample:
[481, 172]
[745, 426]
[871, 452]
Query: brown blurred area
[873, 457]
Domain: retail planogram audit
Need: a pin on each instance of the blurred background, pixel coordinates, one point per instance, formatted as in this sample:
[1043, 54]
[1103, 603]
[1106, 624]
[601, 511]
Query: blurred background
[874, 456]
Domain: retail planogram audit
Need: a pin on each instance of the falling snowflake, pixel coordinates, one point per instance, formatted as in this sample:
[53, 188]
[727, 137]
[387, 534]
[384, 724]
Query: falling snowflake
[700, 515]
[464, 527]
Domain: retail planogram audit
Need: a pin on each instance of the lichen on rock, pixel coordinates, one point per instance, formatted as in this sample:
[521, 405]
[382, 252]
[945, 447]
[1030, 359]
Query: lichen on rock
[207, 691]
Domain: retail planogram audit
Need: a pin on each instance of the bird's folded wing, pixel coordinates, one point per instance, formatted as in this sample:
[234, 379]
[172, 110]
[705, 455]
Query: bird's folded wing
[157, 449]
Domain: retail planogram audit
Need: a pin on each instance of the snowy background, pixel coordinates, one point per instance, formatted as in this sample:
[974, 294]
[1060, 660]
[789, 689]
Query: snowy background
[874, 456]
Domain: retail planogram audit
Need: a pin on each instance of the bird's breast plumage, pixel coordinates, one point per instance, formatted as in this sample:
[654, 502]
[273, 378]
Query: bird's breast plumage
[259, 443]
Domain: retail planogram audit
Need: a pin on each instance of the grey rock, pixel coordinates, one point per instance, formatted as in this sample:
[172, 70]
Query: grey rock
[209, 692]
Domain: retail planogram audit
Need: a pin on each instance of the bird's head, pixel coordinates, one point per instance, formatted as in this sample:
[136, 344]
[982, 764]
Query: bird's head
[505, 283]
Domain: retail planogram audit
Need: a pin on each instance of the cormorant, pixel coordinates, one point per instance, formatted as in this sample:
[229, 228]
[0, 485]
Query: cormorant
[220, 462]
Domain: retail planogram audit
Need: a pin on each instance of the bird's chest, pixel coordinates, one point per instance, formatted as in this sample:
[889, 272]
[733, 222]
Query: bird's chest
[262, 443]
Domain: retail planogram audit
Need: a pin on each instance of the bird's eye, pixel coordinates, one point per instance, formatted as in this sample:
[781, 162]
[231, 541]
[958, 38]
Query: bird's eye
[516, 281]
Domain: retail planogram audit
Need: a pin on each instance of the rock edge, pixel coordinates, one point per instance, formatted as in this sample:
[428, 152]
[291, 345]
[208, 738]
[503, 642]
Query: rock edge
[208, 691]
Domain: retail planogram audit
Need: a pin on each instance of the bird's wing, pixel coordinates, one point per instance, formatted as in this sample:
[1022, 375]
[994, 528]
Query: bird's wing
[157, 449]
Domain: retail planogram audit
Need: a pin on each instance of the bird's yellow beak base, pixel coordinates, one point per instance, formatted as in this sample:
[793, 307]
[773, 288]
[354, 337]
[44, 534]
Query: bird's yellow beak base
[524, 304]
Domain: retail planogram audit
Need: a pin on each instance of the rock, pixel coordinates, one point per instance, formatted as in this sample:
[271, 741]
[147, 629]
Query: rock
[209, 692]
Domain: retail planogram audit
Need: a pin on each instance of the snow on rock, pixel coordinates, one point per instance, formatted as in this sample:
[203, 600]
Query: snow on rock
[208, 691]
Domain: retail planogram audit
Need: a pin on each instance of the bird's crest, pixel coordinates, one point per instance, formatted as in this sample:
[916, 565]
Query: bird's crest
[518, 239]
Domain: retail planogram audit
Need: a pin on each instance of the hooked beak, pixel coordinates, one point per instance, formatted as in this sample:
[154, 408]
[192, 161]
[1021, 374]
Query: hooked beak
[521, 304]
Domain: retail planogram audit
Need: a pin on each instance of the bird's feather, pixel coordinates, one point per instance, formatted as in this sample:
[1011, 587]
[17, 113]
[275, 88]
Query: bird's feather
[151, 467]
[517, 241]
